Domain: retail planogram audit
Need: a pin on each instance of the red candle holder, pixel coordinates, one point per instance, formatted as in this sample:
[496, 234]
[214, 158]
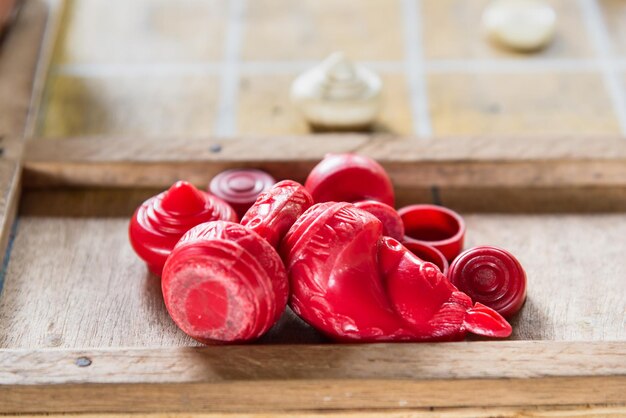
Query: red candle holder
[240, 187]
[392, 223]
[161, 221]
[427, 253]
[436, 226]
[491, 276]
[349, 178]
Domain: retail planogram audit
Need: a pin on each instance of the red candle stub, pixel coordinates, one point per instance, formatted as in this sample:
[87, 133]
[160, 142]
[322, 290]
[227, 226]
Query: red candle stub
[392, 223]
[491, 276]
[436, 226]
[224, 283]
[427, 253]
[349, 178]
[161, 221]
[240, 187]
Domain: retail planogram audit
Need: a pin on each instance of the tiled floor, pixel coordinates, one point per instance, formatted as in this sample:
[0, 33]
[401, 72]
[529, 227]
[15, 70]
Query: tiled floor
[218, 67]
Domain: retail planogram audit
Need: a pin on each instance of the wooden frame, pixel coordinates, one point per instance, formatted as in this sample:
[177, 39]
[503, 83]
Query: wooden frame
[475, 174]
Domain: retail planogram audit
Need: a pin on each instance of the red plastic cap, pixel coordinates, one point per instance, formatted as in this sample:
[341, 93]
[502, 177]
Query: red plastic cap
[436, 226]
[427, 253]
[491, 276]
[349, 178]
[240, 187]
[392, 223]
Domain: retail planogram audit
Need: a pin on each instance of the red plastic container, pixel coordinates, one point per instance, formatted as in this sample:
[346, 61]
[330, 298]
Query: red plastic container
[491, 276]
[240, 187]
[427, 253]
[436, 226]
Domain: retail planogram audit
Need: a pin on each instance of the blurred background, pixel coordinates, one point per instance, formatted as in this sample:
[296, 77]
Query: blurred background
[218, 67]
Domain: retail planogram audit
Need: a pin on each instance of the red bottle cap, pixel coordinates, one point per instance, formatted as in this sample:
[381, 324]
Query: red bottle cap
[240, 187]
[392, 223]
[436, 226]
[427, 253]
[491, 276]
[349, 178]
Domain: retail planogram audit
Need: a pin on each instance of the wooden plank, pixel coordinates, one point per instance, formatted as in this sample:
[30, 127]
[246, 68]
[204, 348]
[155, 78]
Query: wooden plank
[287, 378]
[10, 188]
[585, 411]
[486, 161]
[18, 62]
[80, 238]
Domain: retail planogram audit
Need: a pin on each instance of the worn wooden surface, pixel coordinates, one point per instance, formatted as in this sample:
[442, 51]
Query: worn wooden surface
[547, 174]
[608, 411]
[325, 377]
[18, 61]
[103, 296]
[228, 67]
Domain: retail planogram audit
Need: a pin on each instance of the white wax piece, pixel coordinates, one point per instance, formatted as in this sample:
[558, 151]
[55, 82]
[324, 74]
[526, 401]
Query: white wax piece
[520, 24]
[337, 93]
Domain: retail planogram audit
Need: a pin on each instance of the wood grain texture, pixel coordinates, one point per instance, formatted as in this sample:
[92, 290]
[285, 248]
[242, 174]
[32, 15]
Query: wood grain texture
[18, 62]
[313, 377]
[596, 411]
[485, 161]
[103, 296]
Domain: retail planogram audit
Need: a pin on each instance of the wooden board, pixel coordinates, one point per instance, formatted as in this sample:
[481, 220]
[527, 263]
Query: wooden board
[224, 68]
[78, 304]
[19, 55]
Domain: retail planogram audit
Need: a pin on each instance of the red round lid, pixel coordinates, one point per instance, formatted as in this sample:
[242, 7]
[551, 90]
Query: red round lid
[491, 276]
[240, 187]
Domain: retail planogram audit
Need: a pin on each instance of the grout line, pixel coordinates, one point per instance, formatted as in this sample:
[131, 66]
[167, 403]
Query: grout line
[294, 67]
[511, 66]
[226, 120]
[600, 37]
[411, 16]
[117, 70]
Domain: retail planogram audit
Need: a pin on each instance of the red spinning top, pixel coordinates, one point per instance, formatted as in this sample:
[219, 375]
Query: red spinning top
[240, 187]
[392, 223]
[491, 276]
[349, 178]
[224, 283]
[436, 226]
[160, 221]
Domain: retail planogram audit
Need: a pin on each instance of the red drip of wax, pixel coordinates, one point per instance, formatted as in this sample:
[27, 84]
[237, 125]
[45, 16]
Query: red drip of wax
[491, 276]
[436, 226]
[349, 178]
[392, 223]
[427, 253]
[276, 210]
[224, 283]
[240, 187]
[160, 221]
[351, 283]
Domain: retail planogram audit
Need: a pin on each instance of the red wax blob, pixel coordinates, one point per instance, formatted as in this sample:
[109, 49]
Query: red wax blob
[491, 276]
[161, 221]
[276, 210]
[436, 226]
[240, 187]
[223, 283]
[392, 223]
[349, 178]
[354, 284]
[427, 253]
